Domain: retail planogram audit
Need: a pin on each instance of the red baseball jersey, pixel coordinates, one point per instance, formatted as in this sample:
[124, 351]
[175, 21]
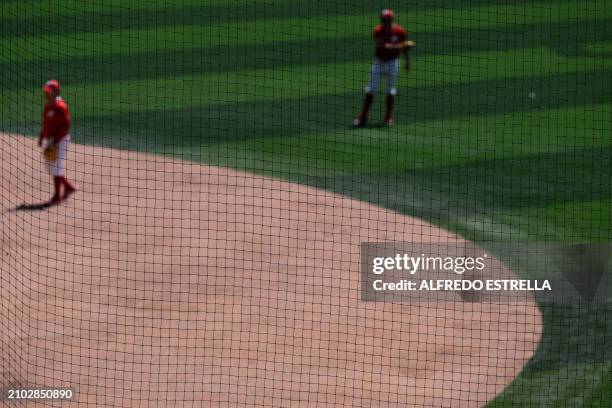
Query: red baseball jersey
[56, 120]
[396, 36]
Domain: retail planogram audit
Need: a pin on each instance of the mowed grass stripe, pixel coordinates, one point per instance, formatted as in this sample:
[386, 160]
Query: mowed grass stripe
[29, 11]
[500, 204]
[419, 145]
[264, 31]
[261, 85]
[575, 220]
[76, 8]
[333, 113]
[601, 48]
[26, 23]
[288, 54]
[38, 8]
[32, 18]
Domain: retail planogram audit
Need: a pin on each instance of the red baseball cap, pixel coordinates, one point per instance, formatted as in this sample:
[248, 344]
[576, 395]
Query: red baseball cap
[51, 85]
[386, 14]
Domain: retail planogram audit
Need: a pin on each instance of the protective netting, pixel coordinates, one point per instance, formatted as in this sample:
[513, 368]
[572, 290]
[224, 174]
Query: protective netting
[219, 248]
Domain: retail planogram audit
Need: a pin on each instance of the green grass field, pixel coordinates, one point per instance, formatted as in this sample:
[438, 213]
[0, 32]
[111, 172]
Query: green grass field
[271, 86]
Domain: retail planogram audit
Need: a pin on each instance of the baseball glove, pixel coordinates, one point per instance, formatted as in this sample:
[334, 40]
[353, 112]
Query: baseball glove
[50, 152]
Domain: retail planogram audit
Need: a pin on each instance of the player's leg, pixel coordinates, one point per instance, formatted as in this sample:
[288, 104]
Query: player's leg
[57, 185]
[62, 154]
[370, 90]
[51, 167]
[392, 72]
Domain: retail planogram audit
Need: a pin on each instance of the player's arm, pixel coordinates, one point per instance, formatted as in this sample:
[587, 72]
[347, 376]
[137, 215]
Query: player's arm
[404, 45]
[408, 59]
[405, 50]
[407, 46]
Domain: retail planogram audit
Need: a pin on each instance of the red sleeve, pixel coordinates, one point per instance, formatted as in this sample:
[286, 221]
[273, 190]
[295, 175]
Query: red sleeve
[377, 31]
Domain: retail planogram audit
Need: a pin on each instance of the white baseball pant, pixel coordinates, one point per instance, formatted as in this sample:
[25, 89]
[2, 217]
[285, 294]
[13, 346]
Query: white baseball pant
[56, 168]
[389, 71]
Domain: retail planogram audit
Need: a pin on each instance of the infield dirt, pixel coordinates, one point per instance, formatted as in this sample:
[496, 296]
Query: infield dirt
[168, 283]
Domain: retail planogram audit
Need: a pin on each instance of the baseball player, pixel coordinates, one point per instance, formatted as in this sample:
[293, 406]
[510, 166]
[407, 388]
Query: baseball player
[54, 139]
[390, 41]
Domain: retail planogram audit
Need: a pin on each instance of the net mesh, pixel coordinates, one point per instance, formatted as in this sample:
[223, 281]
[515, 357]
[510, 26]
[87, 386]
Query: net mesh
[212, 254]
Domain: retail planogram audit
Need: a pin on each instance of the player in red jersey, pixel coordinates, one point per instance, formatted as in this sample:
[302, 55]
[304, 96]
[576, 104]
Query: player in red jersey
[54, 138]
[390, 41]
